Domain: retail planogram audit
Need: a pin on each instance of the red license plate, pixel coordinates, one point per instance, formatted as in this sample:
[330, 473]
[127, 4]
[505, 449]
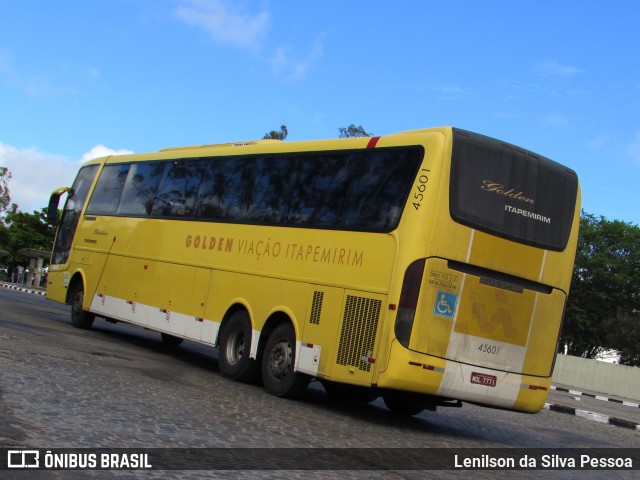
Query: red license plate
[482, 379]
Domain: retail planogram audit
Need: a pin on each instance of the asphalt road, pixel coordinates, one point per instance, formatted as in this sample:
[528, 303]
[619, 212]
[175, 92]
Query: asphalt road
[117, 386]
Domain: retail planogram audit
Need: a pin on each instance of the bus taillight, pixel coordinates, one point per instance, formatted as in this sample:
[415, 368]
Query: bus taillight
[408, 301]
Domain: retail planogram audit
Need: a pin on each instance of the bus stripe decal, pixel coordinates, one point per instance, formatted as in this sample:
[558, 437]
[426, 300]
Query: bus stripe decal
[373, 142]
[532, 320]
[473, 233]
[535, 303]
[544, 260]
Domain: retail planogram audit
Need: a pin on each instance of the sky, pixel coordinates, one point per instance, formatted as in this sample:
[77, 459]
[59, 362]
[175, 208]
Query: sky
[80, 79]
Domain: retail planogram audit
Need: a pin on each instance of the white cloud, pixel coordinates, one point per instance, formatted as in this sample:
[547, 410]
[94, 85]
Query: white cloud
[41, 84]
[554, 120]
[35, 174]
[225, 23]
[598, 142]
[553, 68]
[102, 151]
[451, 91]
[5, 59]
[285, 63]
[633, 150]
[93, 73]
[556, 79]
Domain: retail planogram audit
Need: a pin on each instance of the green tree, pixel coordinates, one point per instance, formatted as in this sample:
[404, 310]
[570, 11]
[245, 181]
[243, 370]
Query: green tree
[605, 289]
[26, 230]
[277, 134]
[5, 197]
[353, 131]
[624, 333]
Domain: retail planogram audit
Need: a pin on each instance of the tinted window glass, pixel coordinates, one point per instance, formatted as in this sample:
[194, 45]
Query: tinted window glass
[179, 188]
[274, 178]
[141, 188]
[247, 189]
[71, 214]
[106, 195]
[322, 189]
[357, 190]
[506, 191]
[227, 190]
[378, 191]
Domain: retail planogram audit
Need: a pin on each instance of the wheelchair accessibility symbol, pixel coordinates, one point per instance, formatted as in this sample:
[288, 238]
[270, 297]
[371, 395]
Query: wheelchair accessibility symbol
[445, 304]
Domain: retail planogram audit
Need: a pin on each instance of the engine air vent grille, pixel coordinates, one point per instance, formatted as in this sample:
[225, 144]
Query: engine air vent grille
[316, 307]
[358, 334]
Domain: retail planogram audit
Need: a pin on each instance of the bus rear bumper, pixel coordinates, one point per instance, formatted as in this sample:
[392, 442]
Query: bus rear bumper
[415, 372]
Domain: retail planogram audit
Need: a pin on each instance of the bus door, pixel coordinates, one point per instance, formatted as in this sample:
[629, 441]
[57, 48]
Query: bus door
[76, 199]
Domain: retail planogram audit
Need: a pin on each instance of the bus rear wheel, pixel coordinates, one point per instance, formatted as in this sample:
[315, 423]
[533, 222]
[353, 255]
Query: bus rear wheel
[80, 318]
[403, 406]
[235, 349]
[278, 363]
[349, 393]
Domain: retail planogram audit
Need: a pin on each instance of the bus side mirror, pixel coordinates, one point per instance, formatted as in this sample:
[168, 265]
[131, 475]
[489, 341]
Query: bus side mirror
[54, 200]
[52, 210]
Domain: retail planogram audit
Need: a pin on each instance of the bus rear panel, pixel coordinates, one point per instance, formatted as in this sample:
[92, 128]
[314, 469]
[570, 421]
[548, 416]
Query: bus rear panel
[480, 316]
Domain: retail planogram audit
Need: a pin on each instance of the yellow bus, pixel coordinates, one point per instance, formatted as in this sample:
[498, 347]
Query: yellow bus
[427, 267]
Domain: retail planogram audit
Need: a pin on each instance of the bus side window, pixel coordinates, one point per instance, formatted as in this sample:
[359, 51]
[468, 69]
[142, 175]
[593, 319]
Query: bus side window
[106, 195]
[379, 190]
[320, 194]
[141, 188]
[177, 193]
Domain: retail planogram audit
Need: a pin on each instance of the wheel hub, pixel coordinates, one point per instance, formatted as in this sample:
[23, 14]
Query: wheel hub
[280, 359]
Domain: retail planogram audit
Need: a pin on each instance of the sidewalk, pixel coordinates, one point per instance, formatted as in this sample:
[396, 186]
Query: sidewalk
[599, 407]
[23, 288]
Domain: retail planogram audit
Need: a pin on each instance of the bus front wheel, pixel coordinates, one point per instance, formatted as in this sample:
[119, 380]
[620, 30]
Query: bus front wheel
[235, 349]
[171, 340]
[80, 318]
[278, 362]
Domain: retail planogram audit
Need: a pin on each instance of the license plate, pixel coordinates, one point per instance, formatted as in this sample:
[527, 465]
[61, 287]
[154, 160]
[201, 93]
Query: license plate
[482, 379]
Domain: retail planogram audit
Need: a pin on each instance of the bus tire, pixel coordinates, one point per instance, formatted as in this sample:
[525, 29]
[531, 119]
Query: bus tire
[403, 406]
[235, 349]
[343, 392]
[80, 318]
[171, 340]
[278, 362]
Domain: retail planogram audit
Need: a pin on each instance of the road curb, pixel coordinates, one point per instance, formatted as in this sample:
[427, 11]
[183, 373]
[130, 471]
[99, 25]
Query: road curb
[18, 288]
[596, 417]
[597, 397]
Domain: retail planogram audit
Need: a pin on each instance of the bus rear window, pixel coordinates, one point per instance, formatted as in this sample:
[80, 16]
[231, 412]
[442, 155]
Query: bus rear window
[506, 191]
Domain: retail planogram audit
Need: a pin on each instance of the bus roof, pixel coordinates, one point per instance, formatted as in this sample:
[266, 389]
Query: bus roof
[256, 146]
